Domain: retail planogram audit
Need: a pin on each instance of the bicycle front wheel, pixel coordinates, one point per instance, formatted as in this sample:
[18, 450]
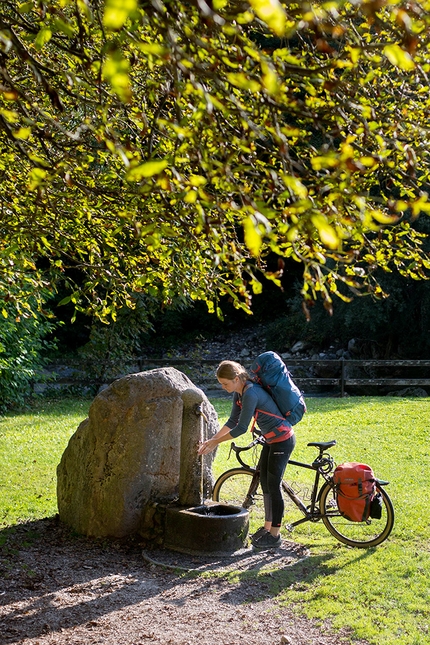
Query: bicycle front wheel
[240, 487]
[358, 534]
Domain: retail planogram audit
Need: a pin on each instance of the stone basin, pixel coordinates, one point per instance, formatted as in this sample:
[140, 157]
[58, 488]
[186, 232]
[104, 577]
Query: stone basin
[207, 529]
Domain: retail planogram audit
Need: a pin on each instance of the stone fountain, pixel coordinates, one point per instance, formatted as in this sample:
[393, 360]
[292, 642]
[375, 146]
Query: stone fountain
[131, 468]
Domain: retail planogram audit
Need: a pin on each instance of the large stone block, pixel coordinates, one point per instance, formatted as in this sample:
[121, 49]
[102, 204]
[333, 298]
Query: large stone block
[126, 455]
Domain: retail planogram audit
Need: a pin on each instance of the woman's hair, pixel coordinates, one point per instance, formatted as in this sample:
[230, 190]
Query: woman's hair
[230, 369]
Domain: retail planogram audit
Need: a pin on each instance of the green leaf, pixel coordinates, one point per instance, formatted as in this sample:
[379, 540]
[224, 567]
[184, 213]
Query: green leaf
[64, 27]
[25, 7]
[43, 37]
[148, 169]
[117, 12]
[272, 13]
[64, 301]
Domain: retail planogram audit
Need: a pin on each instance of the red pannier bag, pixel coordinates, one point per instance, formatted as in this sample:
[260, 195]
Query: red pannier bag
[355, 489]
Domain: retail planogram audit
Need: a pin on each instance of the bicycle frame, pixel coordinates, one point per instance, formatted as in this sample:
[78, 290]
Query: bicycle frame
[322, 465]
[311, 512]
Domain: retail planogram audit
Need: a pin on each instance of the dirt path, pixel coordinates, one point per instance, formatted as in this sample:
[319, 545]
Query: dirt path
[56, 588]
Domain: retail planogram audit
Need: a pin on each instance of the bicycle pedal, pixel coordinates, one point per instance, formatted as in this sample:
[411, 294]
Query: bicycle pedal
[289, 527]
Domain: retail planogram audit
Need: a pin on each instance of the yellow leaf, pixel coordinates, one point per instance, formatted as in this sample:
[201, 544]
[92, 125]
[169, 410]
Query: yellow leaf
[191, 197]
[354, 53]
[330, 160]
[148, 169]
[252, 236]
[115, 70]
[197, 180]
[270, 81]
[272, 13]
[296, 186]
[383, 218]
[243, 82]
[22, 133]
[399, 57]
[153, 48]
[9, 116]
[36, 178]
[257, 287]
[326, 231]
[401, 205]
[117, 12]
[211, 306]
[369, 162]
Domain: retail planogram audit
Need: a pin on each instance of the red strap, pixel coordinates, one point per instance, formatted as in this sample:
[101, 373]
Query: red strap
[264, 412]
[273, 415]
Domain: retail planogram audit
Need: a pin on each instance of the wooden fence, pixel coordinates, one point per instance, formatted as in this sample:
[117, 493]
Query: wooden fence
[343, 373]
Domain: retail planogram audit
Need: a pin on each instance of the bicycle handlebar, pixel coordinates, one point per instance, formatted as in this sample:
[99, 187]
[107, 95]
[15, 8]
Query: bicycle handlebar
[239, 449]
[324, 461]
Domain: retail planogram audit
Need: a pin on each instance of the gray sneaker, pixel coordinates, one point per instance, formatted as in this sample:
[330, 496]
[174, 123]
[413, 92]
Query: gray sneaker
[261, 531]
[267, 541]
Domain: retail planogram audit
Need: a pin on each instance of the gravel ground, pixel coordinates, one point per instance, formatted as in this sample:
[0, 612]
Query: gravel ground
[57, 588]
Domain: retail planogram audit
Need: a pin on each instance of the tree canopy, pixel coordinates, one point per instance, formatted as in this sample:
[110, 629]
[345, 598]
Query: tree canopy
[187, 149]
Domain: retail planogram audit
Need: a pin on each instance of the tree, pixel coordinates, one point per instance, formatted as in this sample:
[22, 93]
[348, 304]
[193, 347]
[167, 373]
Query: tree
[170, 148]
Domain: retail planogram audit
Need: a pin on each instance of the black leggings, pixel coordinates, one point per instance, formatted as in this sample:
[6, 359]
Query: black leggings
[274, 459]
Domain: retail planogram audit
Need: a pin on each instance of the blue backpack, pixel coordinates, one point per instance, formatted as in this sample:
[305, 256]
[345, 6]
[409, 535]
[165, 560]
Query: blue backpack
[270, 371]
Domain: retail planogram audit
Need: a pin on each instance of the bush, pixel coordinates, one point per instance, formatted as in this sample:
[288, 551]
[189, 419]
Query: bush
[23, 354]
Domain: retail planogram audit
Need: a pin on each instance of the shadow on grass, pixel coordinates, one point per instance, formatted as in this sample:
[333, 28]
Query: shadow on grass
[299, 575]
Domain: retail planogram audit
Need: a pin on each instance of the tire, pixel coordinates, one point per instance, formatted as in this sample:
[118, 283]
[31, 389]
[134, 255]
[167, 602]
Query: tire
[232, 487]
[357, 534]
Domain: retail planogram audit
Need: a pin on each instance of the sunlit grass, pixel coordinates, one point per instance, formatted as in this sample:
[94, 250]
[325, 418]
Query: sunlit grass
[381, 594]
[31, 445]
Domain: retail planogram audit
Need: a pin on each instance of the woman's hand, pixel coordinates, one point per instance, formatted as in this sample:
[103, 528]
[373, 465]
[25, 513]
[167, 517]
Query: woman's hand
[207, 446]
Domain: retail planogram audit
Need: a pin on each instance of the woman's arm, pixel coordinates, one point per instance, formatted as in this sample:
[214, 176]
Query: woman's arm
[223, 434]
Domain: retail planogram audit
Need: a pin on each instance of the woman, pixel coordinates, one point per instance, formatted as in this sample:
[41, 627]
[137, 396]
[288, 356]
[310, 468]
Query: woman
[251, 400]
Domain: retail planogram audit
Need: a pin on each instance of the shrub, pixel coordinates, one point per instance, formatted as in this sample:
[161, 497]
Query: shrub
[23, 354]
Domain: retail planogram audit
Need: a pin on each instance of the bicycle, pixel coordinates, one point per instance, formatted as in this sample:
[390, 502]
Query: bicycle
[241, 487]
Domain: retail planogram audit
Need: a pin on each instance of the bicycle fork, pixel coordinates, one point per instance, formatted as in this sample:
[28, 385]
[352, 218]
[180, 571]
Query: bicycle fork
[249, 499]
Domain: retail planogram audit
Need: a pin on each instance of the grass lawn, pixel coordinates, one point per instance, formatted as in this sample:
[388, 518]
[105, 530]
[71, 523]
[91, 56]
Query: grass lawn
[382, 594]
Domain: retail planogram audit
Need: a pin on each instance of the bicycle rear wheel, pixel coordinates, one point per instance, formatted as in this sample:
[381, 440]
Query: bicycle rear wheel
[238, 487]
[358, 534]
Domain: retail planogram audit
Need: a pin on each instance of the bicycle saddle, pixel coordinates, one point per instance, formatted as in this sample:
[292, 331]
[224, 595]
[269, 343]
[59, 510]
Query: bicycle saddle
[322, 445]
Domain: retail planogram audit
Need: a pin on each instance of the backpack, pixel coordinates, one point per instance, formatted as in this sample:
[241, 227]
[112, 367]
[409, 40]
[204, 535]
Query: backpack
[270, 371]
[355, 490]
